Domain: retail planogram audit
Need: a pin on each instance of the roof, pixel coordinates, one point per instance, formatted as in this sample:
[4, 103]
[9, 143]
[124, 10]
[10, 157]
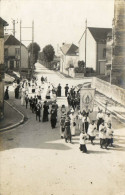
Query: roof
[3, 22]
[6, 37]
[99, 34]
[69, 49]
[11, 40]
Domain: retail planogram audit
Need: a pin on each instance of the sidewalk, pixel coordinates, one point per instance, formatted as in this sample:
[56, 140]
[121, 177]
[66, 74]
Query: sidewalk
[111, 106]
[12, 117]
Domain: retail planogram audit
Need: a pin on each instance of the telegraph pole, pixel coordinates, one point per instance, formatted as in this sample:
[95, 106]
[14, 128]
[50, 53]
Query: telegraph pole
[32, 40]
[20, 44]
[85, 40]
[14, 27]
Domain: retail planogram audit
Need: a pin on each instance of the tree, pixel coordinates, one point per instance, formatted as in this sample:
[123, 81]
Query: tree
[35, 48]
[48, 52]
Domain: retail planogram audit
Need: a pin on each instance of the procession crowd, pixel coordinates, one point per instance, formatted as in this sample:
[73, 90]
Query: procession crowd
[42, 100]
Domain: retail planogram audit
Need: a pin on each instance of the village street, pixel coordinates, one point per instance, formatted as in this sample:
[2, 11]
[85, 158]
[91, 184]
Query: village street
[34, 160]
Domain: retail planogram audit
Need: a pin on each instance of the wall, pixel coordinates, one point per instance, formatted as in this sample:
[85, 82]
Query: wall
[24, 57]
[90, 50]
[71, 72]
[111, 91]
[101, 47]
[65, 61]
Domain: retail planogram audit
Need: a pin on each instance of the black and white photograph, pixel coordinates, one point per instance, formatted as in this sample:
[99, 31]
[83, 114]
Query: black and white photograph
[62, 97]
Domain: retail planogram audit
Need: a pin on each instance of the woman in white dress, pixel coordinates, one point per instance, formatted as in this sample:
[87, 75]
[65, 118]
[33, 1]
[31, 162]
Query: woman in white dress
[22, 97]
[72, 122]
[80, 125]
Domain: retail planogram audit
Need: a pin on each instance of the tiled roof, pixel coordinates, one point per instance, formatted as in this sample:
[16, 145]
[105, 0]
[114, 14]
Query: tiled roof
[3, 22]
[99, 34]
[11, 40]
[6, 37]
[69, 49]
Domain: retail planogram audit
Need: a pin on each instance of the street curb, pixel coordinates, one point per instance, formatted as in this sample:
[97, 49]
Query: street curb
[16, 124]
[116, 115]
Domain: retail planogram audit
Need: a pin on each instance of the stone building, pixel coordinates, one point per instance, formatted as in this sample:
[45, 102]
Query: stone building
[3, 23]
[118, 63]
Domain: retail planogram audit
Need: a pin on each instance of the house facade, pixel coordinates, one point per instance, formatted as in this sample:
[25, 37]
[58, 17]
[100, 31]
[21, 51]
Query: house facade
[68, 57]
[12, 54]
[3, 23]
[92, 48]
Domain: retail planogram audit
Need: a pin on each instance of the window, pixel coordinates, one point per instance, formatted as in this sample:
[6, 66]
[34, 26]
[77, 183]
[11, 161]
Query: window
[104, 53]
[17, 51]
[17, 64]
[6, 52]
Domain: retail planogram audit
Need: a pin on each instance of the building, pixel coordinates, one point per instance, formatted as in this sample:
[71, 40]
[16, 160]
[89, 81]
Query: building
[68, 57]
[109, 48]
[118, 62]
[12, 54]
[56, 63]
[92, 48]
[3, 23]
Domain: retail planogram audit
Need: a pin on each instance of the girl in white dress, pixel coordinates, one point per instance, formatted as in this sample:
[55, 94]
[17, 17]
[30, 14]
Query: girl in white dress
[72, 123]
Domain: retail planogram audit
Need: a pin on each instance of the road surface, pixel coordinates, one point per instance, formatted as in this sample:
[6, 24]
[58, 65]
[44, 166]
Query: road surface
[35, 161]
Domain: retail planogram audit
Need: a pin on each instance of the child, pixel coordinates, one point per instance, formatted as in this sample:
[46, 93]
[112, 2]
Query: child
[82, 142]
[109, 136]
[62, 126]
[92, 131]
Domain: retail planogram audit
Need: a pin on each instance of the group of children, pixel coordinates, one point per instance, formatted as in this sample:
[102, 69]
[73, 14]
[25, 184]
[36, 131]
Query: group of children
[89, 129]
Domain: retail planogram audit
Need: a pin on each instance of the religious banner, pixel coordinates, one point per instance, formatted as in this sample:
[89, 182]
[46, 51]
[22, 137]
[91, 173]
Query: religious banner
[87, 99]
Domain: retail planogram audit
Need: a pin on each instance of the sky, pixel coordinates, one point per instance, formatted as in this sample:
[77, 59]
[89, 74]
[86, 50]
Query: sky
[56, 21]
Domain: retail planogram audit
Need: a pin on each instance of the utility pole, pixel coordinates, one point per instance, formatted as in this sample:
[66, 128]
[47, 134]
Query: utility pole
[32, 40]
[85, 41]
[14, 27]
[20, 45]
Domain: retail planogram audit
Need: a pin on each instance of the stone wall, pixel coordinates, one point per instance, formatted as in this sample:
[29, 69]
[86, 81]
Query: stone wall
[111, 91]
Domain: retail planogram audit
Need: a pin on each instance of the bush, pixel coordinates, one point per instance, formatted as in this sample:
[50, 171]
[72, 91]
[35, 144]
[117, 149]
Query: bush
[81, 67]
[71, 66]
[89, 70]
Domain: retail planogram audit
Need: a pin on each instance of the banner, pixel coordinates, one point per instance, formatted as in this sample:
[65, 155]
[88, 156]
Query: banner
[87, 99]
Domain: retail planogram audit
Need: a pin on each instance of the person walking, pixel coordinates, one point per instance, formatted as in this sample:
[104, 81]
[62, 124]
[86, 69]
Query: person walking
[92, 131]
[82, 142]
[6, 95]
[38, 112]
[53, 117]
[59, 90]
[67, 132]
[62, 126]
[26, 100]
[66, 89]
[45, 112]
[102, 135]
[72, 123]
[100, 119]
[80, 125]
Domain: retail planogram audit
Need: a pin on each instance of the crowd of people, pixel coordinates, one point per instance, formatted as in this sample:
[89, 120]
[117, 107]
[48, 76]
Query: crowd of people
[72, 121]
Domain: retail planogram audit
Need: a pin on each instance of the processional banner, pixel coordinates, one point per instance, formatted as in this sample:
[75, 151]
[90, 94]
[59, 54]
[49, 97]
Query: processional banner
[87, 96]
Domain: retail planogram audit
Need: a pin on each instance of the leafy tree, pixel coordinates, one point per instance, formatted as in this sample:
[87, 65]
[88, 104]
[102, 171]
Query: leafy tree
[48, 53]
[35, 48]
